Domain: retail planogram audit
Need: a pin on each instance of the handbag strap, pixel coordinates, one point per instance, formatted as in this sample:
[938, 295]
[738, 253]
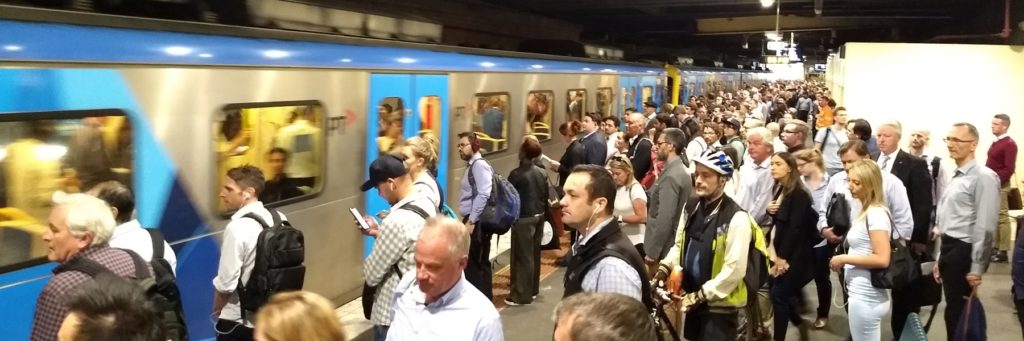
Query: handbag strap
[892, 226]
[967, 312]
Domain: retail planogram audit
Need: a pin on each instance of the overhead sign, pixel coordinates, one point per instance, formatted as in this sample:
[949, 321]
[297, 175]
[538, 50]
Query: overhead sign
[777, 45]
[776, 59]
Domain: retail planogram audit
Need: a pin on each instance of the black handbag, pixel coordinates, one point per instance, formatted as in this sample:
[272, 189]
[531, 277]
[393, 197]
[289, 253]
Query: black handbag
[902, 269]
[370, 292]
[837, 214]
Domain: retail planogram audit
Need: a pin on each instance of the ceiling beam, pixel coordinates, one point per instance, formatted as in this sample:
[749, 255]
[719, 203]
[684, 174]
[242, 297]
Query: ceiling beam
[752, 24]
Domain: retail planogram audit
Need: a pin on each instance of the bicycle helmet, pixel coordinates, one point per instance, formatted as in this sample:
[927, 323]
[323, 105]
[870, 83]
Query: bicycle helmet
[717, 161]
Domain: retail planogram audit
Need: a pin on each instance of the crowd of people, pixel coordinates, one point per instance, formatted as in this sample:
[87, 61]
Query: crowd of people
[689, 210]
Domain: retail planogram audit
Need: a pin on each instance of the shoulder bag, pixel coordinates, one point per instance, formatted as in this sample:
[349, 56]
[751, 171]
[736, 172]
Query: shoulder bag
[837, 214]
[902, 268]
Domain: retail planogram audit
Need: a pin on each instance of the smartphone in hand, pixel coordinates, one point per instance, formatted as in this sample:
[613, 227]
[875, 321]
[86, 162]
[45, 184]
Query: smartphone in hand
[359, 219]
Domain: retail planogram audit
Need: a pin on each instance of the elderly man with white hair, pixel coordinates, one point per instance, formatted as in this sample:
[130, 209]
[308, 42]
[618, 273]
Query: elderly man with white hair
[640, 145]
[79, 231]
[755, 182]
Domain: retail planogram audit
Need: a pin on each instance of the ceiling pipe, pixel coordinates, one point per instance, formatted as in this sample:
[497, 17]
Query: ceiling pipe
[1005, 33]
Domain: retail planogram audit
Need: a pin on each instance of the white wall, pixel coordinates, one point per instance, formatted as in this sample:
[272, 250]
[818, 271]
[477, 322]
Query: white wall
[932, 86]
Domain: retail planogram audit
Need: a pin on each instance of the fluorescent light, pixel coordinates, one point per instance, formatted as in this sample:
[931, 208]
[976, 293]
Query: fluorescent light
[205, 55]
[13, 48]
[607, 70]
[487, 64]
[275, 54]
[345, 60]
[767, 3]
[405, 60]
[178, 50]
[537, 66]
[649, 71]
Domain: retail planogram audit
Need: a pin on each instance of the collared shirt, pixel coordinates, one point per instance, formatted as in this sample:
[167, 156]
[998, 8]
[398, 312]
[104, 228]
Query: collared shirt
[462, 313]
[896, 200]
[238, 256]
[818, 196]
[394, 246]
[470, 205]
[885, 161]
[51, 306]
[969, 210]
[610, 274]
[941, 179]
[132, 236]
[755, 190]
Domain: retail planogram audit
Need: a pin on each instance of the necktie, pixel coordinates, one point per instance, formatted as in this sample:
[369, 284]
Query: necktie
[885, 163]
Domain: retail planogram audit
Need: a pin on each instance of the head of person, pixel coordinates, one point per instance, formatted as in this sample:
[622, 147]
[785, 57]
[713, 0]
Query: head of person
[77, 222]
[589, 196]
[809, 162]
[570, 130]
[292, 313]
[858, 129]
[822, 101]
[277, 158]
[602, 317]
[795, 133]
[853, 151]
[610, 125]
[635, 124]
[628, 111]
[961, 142]
[390, 123]
[785, 172]
[110, 308]
[671, 143]
[919, 138]
[713, 169]
[731, 127]
[622, 170]
[441, 254]
[118, 197]
[469, 145]
[650, 108]
[775, 128]
[711, 132]
[390, 177]
[666, 108]
[419, 154]
[242, 186]
[888, 135]
[591, 120]
[1000, 124]
[759, 143]
[866, 183]
[620, 141]
[840, 117]
[529, 150]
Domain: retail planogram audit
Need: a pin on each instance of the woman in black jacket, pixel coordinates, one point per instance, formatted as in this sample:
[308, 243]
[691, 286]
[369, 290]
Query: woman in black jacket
[532, 184]
[791, 246]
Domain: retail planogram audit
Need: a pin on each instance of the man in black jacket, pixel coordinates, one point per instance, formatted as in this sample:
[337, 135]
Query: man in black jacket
[594, 142]
[639, 145]
[913, 172]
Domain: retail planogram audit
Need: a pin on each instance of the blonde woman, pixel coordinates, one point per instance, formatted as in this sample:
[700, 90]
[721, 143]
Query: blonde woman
[420, 157]
[868, 241]
[298, 315]
[812, 173]
[630, 199]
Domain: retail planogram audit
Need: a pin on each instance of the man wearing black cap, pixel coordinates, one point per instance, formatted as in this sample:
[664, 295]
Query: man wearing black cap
[651, 112]
[392, 255]
[733, 138]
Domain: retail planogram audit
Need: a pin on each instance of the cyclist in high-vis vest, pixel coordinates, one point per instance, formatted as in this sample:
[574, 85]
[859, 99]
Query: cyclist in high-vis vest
[710, 251]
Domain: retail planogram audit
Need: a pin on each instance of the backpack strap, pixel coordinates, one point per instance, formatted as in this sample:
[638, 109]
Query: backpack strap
[158, 243]
[415, 209]
[274, 214]
[472, 180]
[93, 269]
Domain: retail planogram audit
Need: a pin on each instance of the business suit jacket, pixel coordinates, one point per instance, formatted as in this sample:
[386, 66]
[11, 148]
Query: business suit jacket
[595, 149]
[913, 172]
[640, 155]
[664, 207]
[794, 225]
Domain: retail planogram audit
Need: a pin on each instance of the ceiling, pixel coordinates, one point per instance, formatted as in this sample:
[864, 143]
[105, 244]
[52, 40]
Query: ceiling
[734, 29]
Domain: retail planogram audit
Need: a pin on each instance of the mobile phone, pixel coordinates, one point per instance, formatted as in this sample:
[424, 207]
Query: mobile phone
[359, 218]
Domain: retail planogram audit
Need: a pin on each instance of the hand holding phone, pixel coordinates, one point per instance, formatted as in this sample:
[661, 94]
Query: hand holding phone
[359, 219]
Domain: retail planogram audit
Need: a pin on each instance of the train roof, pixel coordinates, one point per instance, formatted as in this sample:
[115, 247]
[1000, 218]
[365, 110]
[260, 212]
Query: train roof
[34, 35]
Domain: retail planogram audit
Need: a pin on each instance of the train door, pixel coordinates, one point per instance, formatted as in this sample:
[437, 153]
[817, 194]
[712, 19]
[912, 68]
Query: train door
[402, 106]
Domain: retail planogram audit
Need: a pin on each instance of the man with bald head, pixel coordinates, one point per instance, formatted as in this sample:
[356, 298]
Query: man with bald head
[639, 144]
[913, 172]
[436, 302]
[939, 175]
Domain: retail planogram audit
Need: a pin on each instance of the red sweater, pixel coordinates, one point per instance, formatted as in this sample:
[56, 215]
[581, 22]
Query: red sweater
[1002, 158]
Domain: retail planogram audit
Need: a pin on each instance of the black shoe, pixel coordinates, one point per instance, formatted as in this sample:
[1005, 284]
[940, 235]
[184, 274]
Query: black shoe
[562, 262]
[1000, 257]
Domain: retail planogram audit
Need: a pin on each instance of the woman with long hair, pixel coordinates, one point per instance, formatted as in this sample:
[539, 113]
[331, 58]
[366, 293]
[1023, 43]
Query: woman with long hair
[793, 219]
[830, 139]
[868, 241]
[298, 315]
[812, 172]
[630, 199]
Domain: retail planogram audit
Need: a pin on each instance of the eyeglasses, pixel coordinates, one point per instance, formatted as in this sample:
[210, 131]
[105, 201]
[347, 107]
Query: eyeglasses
[464, 145]
[953, 139]
[661, 143]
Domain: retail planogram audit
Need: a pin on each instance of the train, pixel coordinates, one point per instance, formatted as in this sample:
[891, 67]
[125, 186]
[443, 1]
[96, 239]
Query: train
[180, 103]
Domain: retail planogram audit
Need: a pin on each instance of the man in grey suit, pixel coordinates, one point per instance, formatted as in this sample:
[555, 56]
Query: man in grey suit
[667, 197]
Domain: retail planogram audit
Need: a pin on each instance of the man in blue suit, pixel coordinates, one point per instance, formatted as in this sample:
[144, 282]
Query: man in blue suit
[594, 143]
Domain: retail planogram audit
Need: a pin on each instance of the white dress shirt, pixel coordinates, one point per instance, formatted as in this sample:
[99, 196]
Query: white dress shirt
[462, 313]
[238, 256]
[885, 161]
[755, 189]
[895, 195]
[132, 236]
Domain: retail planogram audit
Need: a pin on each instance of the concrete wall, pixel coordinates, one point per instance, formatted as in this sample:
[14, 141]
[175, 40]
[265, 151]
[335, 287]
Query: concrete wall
[932, 86]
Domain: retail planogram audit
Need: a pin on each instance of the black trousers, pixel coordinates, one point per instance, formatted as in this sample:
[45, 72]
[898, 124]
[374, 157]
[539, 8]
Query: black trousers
[954, 264]
[822, 277]
[232, 331]
[478, 268]
[902, 305]
[702, 324]
[525, 267]
[785, 293]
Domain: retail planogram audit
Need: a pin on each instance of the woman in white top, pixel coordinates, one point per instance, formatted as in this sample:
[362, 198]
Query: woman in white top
[812, 173]
[828, 141]
[420, 156]
[868, 241]
[630, 199]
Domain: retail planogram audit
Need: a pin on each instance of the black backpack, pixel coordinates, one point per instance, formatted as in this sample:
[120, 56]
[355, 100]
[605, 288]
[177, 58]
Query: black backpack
[280, 253]
[160, 289]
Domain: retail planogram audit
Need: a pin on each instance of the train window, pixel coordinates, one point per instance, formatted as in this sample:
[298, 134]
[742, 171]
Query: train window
[283, 139]
[490, 121]
[390, 125]
[430, 116]
[539, 114]
[42, 153]
[632, 98]
[576, 104]
[647, 92]
[604, 101]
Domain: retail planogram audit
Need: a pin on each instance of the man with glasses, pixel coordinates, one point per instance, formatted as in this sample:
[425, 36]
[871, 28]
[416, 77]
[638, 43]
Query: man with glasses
[795, 134]
[667, 196]
[1002, 158]
[472, 199]
[967, 216]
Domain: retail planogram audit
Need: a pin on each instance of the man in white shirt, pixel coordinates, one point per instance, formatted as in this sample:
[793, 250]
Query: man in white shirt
[129, 234]
[755, 185]
[242, 187]
[302, 141]
[436, 302]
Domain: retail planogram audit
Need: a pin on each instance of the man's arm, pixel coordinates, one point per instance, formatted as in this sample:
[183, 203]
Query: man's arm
[668, 196]
[387, 251]
[986, 202]
[899, 206]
